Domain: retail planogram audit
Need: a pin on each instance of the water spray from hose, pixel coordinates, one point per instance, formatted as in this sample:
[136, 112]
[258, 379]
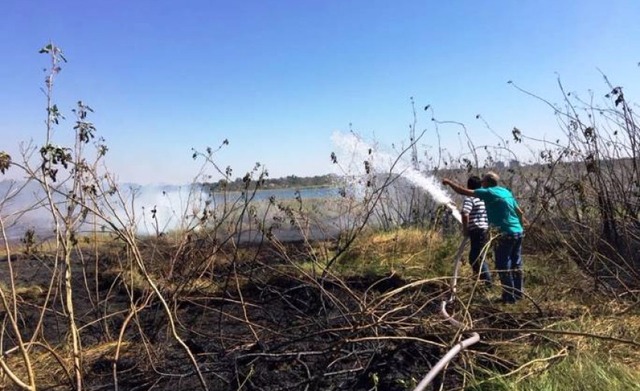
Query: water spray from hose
[382, 162]
[357, 152]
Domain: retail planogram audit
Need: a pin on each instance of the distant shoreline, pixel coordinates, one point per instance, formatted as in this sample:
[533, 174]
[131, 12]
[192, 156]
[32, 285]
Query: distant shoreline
[289, 182]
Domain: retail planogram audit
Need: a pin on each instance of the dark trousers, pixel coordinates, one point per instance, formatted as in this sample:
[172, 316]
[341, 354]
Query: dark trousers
[508, 254]
[478, 239]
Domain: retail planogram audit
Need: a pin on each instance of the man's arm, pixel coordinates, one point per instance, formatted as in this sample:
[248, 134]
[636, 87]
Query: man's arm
[457, 188]
[465, 212]
[465, 224]
[523, 220]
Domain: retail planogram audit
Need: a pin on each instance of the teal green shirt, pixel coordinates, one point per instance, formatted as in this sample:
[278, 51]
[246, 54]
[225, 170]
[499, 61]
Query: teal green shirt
[501, 208]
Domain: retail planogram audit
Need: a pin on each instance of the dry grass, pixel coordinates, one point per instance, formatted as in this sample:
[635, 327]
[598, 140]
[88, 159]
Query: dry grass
[412, 251]
[566, 325]
[568, 335]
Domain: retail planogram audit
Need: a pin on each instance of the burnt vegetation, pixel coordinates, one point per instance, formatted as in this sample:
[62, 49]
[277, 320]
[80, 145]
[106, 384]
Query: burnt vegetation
[226, 303]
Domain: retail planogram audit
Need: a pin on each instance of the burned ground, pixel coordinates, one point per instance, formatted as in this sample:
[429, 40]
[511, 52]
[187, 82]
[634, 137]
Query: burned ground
[257, 322]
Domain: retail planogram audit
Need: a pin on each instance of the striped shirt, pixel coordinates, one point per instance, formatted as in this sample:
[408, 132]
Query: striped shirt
[474, 207]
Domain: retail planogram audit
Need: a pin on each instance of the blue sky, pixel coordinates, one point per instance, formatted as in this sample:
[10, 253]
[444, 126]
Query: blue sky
[277, 78]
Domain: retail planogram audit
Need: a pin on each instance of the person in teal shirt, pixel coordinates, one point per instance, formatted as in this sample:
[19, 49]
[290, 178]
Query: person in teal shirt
[505, 214]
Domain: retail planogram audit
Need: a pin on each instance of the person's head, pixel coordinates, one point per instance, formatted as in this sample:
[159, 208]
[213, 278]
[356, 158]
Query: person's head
[474, 182]
[490, 179]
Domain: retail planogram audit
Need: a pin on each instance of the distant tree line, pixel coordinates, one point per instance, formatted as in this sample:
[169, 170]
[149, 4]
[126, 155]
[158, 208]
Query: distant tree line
[288, 182]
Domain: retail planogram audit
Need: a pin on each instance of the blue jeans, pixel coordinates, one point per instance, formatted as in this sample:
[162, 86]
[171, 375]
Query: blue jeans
[478, 239]
[508, 254]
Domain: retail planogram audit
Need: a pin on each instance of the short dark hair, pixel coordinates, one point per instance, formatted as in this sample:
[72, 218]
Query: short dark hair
[474, 182]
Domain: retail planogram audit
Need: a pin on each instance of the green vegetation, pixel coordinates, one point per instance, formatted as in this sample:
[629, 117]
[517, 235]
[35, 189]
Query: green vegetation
[342, 294]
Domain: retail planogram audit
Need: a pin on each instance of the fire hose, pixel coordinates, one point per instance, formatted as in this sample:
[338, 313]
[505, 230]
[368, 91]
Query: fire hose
[474, 338]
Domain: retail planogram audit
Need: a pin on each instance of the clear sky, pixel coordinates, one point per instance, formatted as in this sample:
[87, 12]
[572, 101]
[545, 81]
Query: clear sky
[278, 77]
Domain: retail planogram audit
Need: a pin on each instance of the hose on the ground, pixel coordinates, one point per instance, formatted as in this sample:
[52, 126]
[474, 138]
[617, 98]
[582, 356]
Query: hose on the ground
[474, 338]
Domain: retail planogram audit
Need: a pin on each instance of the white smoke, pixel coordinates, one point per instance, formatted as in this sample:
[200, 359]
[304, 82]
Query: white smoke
[356, 151]
[162, 208]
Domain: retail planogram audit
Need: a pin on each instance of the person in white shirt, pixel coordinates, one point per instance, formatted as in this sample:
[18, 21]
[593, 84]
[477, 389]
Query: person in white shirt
[475, 225]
